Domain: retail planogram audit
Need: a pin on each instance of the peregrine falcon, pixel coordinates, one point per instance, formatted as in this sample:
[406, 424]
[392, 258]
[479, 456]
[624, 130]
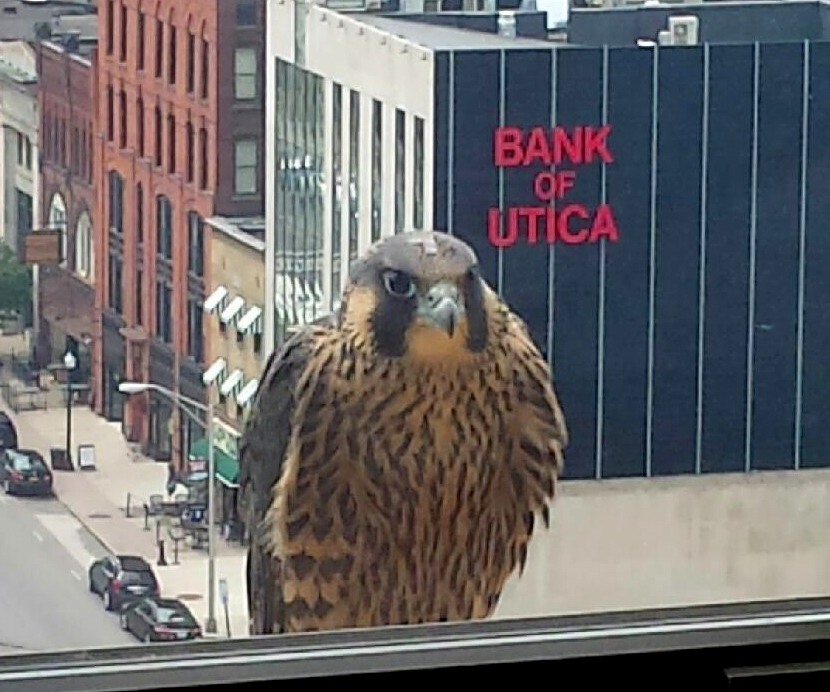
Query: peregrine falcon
[398, 451]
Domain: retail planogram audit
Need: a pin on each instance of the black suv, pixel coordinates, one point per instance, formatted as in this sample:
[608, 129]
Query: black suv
[8, 433]
[122, 579]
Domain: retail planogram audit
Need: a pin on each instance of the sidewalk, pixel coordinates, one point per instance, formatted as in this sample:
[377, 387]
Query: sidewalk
[98, 499]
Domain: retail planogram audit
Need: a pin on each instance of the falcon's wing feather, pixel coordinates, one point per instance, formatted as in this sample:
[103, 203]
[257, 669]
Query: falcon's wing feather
[262, 449]
[543, 434]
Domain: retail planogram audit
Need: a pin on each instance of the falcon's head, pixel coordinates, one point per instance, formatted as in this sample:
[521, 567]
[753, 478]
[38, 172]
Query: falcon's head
[419, 295]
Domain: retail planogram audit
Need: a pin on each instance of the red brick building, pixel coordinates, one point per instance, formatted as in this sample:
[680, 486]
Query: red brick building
[66, 68]
[180, 124]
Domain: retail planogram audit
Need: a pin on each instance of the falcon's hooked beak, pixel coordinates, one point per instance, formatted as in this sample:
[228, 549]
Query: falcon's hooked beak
[442, 307]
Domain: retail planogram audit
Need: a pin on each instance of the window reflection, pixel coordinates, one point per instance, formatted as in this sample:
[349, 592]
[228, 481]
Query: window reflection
[377, 168]
[400, 169]
[418, 195]
[336, 167]
[299, 203]
[354, 171]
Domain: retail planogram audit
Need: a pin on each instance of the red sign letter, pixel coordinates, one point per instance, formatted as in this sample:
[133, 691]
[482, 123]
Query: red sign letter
[605, 225]
[565, 234]
[508, 146]
[596, 143]
[494, 230]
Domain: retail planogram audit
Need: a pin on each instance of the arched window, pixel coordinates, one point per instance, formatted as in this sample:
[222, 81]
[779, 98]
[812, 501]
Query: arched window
[57, 222]
[84, 250]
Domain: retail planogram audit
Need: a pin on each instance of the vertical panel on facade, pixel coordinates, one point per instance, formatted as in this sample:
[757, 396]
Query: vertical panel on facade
[677, 250]
[776, 256]
[728, 197]
[576, 267]
[626, 287]
[475, 89]
[815, 440]
[441, 127]
[525, 265]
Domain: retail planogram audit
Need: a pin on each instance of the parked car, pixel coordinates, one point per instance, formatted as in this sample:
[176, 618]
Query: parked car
[24, 472]
[159, 620]
[8, 432]
[122, 579]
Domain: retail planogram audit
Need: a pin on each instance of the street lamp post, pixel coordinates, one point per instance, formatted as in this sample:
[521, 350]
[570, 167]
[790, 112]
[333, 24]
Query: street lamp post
[210, 626]
[185, 404]
[69, 362]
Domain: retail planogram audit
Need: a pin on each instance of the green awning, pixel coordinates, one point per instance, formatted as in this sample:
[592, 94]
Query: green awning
[227, 467]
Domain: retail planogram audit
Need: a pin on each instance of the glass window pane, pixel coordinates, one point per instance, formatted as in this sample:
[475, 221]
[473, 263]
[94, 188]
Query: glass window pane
[245, 60]
[246, 153]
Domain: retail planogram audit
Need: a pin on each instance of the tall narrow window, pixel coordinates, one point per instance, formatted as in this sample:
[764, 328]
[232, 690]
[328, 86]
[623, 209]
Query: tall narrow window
[89, 161]
[140, 39]
[354, 172]
[418, 162]
[189, 151]
[171, 143]
[336, 187]
[164, 310]
[139, 126]
[164, 227]
[204, 159]
[400, 168]
[62, 142]
[110, 34]
[196, 244]
[115, 291]
[195, 327]
[244, 74]
[74, 152]
[377, 168]
[171, 54]
[110, 114]
[122, 118]
[139, 297]
[116, 200]
[139, 214]
[205, 69]
[245, 167]
[122, 26]
[190, 59]
[159, 47]
[157, 132]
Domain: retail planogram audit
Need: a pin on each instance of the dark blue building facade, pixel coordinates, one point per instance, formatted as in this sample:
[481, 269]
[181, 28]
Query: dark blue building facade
[698, 340]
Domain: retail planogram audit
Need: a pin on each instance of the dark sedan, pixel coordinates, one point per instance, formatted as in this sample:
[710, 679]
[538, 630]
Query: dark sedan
[159, 620]
[122, 579]
[24, 472]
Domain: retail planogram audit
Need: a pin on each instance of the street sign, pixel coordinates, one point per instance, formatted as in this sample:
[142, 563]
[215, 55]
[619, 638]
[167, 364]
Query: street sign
[223, 591]
[42, 247]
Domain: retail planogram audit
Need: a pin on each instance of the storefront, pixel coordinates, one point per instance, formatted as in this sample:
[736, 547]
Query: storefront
[114, 367]
[226, 462]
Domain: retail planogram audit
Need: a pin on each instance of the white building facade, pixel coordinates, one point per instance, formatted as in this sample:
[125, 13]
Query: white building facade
[348, 152]
[20, 198]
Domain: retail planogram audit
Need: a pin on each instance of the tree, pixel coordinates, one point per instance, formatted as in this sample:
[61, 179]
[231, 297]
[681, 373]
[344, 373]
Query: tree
[15, 284]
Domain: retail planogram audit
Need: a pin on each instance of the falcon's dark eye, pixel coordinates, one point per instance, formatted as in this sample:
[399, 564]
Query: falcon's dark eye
[398, 284]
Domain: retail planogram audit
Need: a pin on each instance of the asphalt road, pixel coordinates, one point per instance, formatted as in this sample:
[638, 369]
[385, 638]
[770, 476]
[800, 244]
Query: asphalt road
[45, 603]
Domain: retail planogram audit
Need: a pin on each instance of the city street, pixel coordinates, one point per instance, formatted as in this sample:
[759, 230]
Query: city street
[45, 603]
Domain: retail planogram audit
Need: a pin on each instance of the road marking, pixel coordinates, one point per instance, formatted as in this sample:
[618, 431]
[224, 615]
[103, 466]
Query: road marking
[3, 499]
[75, 574]
[69, 532]
[38, 536]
